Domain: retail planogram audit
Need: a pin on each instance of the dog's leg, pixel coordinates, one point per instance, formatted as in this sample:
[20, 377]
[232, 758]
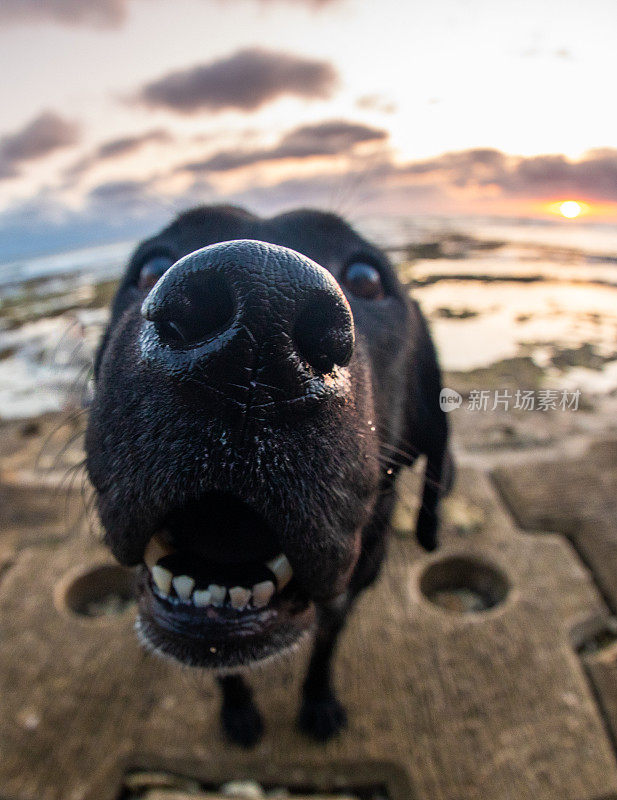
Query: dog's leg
[240, 716]
[438, 479]
[321, 714]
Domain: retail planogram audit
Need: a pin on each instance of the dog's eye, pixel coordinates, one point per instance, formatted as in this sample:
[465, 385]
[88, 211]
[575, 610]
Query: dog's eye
[363, 280]
[152, 270]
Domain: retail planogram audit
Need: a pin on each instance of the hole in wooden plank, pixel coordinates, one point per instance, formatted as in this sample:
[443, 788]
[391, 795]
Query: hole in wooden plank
[153, 784]
[463, 585]
[103, 591]
[600, 639]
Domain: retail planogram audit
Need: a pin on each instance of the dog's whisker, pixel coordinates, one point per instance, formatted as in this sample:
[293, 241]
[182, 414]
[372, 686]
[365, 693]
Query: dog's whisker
[84, 511]
[406, 443]
[66, 487]
[348, 190]
[68, 478]
[55, 350]
[81, 380]
[69, 420]
[86, 495]
[264, 385]
[75, 351]
[204, 386]
[259, 384]
[65, 447]
[406, 454]
[386, 466]
[384, 458]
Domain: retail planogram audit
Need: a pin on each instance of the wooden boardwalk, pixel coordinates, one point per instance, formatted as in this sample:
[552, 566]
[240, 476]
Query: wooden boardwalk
[486, 670]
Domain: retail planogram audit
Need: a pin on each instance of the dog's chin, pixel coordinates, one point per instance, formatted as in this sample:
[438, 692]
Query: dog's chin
[221, 638]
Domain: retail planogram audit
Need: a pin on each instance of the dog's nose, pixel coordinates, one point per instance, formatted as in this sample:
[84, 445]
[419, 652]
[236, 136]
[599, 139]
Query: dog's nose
[246, 312]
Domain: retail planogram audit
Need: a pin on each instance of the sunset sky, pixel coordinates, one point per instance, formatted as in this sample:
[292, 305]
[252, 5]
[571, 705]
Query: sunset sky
[116, 113]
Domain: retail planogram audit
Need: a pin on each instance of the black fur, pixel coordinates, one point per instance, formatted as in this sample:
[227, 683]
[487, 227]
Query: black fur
[314, 449]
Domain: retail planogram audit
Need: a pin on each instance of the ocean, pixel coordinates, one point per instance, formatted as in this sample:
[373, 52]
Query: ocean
[493, 289]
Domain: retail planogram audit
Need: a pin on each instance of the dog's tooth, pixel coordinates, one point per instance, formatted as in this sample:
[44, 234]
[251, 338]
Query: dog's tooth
[156, 549]
[202, 597]
[262, 593]
[162, 578]
[217, 593]
[183, 584]
[281, 567]
[239, 597]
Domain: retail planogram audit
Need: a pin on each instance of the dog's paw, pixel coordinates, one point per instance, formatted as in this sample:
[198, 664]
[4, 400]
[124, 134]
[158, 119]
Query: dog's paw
[322, 718]
[242, 724]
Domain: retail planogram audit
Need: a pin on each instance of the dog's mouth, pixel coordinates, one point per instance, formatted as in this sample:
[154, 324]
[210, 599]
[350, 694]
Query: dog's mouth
[216, 589]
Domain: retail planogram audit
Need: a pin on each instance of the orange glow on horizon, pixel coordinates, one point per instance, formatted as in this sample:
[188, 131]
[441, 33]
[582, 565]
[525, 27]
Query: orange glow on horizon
[569, 209]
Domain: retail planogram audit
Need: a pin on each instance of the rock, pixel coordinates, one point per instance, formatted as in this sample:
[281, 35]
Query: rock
[463, 515]
[143, 780]
[246, 790]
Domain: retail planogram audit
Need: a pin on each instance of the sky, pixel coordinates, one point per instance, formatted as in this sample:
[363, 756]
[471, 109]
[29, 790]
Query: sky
[116, 114]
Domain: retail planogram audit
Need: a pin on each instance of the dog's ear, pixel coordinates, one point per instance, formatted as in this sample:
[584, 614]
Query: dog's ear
[425, 427]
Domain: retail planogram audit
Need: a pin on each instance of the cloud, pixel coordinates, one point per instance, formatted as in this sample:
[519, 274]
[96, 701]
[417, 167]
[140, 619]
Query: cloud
[38, 138]
[332, 138]
[538, 52]
[376, 102]
[123, 193]
[359, 191]
[89, 13]
[592, 177]
[461, 180]
[94, 13]
[244, 81]
[465, 169]
[129, 144]
[480, 179]
[112, 211]
[117, 148]
[316, 3]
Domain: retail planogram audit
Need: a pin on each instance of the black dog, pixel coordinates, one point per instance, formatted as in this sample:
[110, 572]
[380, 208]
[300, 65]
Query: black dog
[252, 410]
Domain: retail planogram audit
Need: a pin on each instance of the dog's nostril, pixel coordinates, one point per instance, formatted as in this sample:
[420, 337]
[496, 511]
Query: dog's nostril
[324, 331]
[203, 307]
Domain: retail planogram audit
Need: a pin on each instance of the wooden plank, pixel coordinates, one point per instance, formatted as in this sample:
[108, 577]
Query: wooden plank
[456, 705]
[576, 497]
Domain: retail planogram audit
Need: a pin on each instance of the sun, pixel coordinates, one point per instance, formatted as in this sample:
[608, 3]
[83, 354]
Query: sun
[570, 209]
